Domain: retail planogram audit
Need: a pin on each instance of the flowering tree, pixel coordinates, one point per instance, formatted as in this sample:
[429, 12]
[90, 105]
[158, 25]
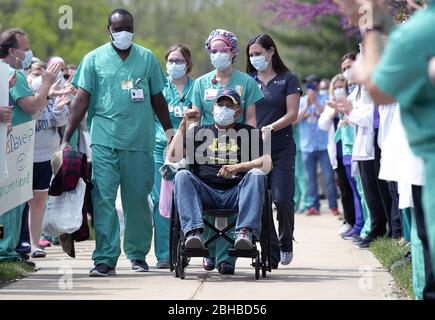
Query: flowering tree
[306, 13]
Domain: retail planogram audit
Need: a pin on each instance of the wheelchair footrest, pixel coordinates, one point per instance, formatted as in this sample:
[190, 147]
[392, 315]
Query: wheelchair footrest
[243, 253]
[196, 253]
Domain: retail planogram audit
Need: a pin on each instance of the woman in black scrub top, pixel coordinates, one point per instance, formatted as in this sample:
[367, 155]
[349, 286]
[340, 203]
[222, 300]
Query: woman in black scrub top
[276, 113]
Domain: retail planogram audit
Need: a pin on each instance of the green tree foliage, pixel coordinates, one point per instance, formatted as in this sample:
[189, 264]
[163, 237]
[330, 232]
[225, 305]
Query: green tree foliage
[161, 23]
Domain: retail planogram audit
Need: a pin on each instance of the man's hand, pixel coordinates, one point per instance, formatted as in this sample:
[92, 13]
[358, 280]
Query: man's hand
[191, 115]
[13, 79]
[230, 171]
[5, 114]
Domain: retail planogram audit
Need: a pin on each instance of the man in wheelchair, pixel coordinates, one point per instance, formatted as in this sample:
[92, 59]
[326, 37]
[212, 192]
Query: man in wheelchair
[228, 170]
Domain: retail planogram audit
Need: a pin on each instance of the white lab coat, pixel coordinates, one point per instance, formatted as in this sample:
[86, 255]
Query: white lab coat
[326, 123]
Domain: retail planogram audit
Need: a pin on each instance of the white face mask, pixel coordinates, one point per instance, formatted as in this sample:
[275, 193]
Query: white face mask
[122, 40]
[224, 116]
[27, 61]
[221, 61]
[36, 84]
[348, 75]
[340, 93]
[176, 71]
[323, 92]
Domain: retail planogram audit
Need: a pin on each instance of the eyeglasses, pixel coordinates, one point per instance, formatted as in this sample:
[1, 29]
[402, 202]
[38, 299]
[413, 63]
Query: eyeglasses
[177, 61]
[220, 50]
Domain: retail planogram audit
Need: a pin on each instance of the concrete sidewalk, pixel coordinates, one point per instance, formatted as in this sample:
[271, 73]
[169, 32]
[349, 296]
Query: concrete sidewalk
[325, 267]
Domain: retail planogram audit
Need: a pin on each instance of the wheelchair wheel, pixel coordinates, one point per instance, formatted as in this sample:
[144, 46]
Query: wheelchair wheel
[264, 270]
[181, 261]
[257, 267]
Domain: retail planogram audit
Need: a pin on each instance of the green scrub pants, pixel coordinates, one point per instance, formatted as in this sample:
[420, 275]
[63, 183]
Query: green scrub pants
[301, 185]
[365, 209]
[161, 224]
[11, 221]
[418, 272]
[429, 205]
[134, 171]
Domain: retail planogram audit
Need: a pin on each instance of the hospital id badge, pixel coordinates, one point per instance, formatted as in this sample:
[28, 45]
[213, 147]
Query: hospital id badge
[127, 85]
[178, 111]
[210, 94]
[137, 95]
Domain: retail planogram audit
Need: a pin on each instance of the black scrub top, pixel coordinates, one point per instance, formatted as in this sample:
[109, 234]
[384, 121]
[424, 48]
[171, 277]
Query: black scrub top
[274, 106]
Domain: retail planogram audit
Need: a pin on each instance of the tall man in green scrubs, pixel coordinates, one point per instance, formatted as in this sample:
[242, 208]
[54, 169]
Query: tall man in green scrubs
[120, 86]
[15, 51]
[400, 72]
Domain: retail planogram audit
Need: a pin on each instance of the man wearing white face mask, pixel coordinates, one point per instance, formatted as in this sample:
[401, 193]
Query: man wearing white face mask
[222, 46]
[120, 86]
[226, 173]
[15, 51]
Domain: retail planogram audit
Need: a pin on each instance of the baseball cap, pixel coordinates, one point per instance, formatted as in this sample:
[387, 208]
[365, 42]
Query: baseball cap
[230, 93]
[312, 78]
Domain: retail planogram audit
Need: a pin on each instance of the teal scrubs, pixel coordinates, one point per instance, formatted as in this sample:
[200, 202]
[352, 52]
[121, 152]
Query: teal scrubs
[177, 105]
[403, 74]
[203, 96]
[11, 220]
[122, 141]
[302, 202]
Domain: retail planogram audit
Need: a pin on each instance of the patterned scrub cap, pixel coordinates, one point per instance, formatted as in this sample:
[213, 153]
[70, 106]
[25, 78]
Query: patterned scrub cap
[229, 37]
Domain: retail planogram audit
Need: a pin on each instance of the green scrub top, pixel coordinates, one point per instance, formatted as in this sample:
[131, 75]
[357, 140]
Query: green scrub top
[177, 105]
[20, 90]
[206, 89]
[114, 120]
[400, 74]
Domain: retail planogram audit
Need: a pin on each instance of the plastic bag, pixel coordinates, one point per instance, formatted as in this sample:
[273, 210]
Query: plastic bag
[64, 212]
[165, 204]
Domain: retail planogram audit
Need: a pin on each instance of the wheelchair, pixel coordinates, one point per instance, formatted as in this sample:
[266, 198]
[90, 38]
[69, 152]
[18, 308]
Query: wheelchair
[179, 255]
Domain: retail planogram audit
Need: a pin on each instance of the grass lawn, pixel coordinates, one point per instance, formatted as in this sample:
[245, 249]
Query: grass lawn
[10, 271]
[388, 252]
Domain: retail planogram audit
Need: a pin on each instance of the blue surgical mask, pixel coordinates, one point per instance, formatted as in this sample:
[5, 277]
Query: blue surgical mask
[224, 116]
[221, 61]
[260, 63]
[323, 92]
[27, 61]
[122, 40]
[176, 71]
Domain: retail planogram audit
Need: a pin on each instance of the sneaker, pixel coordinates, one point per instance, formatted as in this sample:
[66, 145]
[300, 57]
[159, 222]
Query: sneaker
[350, 235]
[194, 240]
[56, 241]
[335, 212]
[209, 263]
[364, 244]
[286, 258]
[23, 248]
[243, 240]
[44, 243]
[163, 264]
[345, 228]
[102, 270]
[357, 240]
[312, 212]
[139, 266]
[226, 268]
[38, 253]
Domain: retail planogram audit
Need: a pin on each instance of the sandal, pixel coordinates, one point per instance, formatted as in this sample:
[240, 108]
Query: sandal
[38, 253]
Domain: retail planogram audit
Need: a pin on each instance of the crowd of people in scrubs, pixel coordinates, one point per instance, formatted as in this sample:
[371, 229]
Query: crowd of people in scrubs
[365, 137]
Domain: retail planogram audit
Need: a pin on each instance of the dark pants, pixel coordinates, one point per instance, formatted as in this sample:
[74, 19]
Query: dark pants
[347, 197]
[396, 214]
[25, 234]
[429, 289]
[376, 192]
[282, 182]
